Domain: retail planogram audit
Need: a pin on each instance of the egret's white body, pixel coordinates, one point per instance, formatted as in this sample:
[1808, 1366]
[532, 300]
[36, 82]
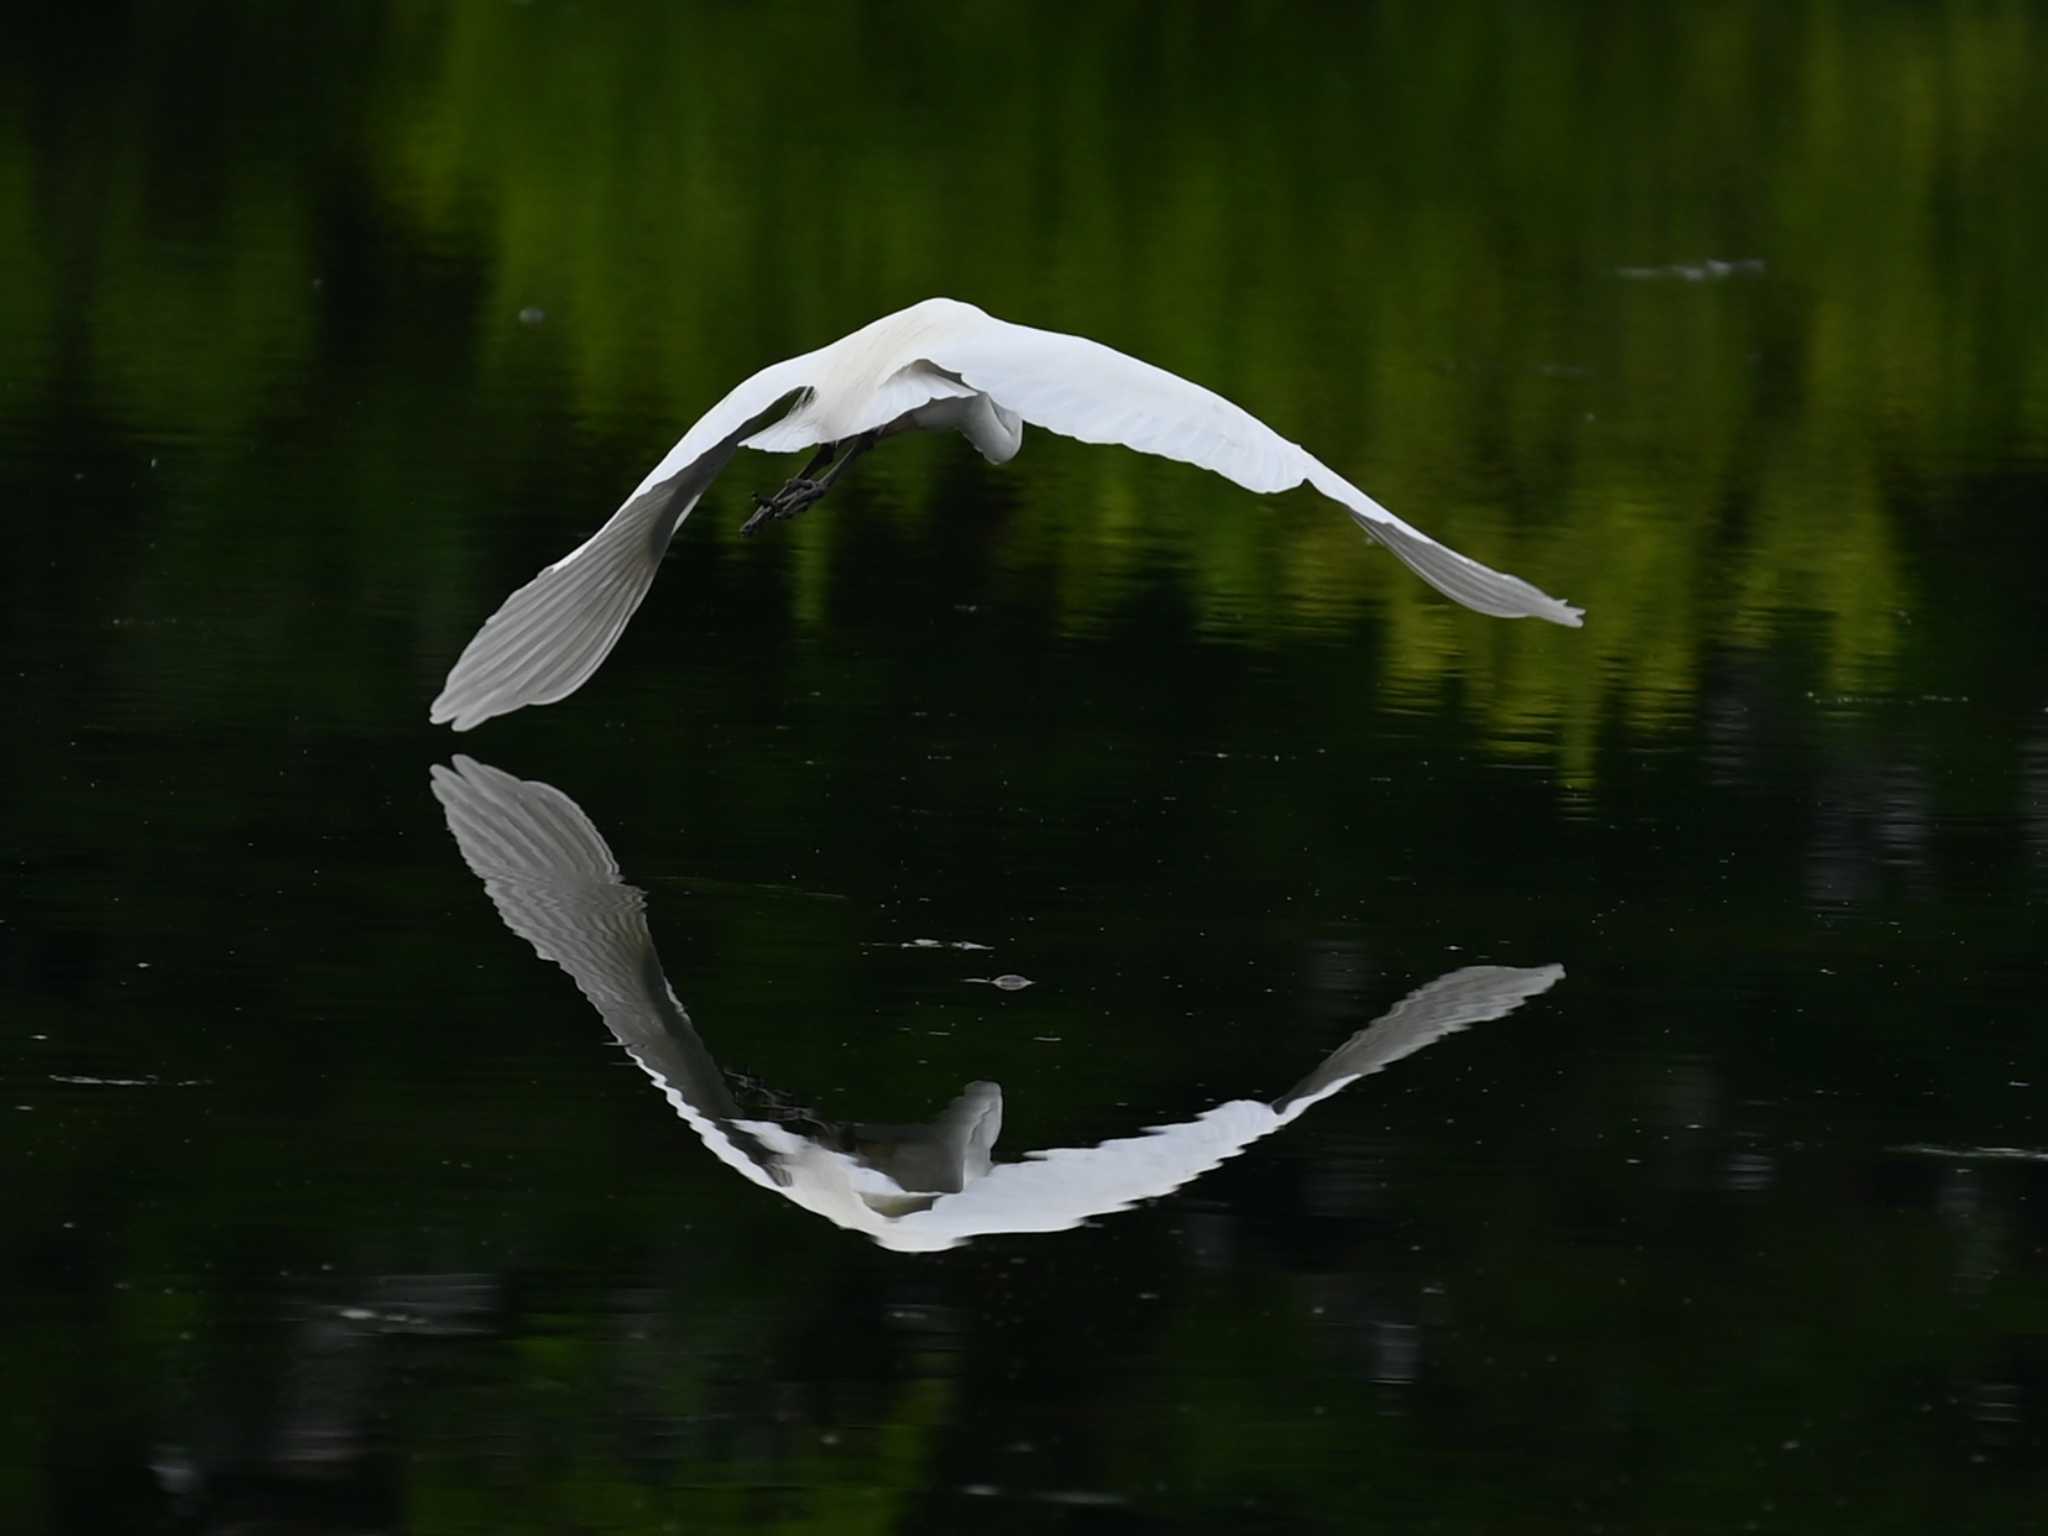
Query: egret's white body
[910, 1187]
[937, 365]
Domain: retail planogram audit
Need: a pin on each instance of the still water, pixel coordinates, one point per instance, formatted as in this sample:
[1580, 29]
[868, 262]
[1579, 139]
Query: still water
[1594, 1078]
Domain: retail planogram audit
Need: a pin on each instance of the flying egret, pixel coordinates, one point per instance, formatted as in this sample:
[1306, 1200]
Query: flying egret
[916, 1188]
[937, 364]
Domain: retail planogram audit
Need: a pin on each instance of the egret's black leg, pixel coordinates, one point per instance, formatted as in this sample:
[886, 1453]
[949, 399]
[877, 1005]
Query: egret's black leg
[765, 507]
[854, 450]
[809, 485]
[818, 461]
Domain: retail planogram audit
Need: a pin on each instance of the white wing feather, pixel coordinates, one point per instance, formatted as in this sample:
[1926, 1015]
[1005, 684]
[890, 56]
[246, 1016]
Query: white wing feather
[1095, 394]
[550, 635]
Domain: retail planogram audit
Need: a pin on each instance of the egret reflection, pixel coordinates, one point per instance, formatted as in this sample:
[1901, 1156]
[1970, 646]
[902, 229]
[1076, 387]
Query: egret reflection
[916, 1188]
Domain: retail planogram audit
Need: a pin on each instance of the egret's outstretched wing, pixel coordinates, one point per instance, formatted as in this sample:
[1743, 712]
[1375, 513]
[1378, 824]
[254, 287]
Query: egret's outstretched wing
[1082, 389]
[556, 885]
[1051, 1191]
[552, 633]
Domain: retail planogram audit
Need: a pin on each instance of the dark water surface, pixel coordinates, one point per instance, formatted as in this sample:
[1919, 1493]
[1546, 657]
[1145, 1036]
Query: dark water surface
[332, 1207]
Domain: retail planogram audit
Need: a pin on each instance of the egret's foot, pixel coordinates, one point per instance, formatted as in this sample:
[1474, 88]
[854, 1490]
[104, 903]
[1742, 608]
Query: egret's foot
[793, 498]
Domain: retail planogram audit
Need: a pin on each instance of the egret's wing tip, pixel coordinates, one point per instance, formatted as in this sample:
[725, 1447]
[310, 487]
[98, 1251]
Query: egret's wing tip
[458, 716]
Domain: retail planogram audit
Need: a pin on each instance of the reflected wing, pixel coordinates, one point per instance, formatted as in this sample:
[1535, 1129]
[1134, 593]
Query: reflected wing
[550, 635]
[557, 886]
[1051, 1191]
[1082, 389]
[1423, 1017]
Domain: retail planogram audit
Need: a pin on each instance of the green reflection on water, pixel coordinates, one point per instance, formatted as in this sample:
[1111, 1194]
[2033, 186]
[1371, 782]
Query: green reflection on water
[1447, 248]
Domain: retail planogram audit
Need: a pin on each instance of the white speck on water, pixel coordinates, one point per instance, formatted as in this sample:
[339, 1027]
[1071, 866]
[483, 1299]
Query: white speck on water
[103, 1082]
[533, 314]
[1986, 1154]
[1709, 270]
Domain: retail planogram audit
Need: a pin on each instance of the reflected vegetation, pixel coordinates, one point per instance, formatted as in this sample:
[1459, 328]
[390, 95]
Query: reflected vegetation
[914, 1188]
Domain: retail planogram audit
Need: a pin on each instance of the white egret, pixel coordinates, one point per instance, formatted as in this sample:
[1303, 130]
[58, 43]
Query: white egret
[917, 1188]
[937, 364]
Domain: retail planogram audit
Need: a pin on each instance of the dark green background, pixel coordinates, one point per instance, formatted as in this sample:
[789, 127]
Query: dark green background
[330, 1207]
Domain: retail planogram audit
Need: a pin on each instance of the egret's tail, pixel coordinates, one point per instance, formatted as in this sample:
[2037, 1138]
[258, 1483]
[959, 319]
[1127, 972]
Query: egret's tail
[553, 632]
